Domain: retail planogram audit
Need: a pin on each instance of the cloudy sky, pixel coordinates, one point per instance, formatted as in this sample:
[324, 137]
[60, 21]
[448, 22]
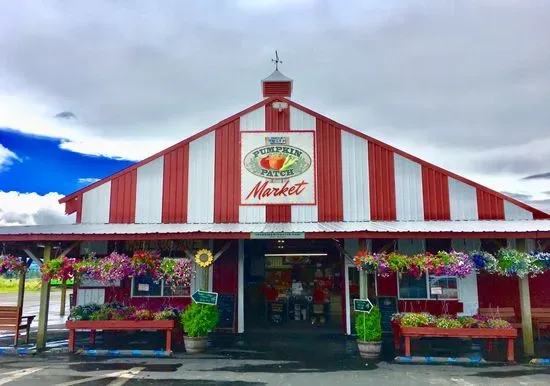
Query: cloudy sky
[463, 84]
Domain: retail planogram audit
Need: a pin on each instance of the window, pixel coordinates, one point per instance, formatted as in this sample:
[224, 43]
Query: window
[428, 287]
[147, 287]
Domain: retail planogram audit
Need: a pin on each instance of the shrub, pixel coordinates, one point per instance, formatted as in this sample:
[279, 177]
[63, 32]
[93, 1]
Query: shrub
[447, 322]
[199, 319]
[143, 314]
[369, 326]
[167, 314]
[467, 321]
[84, 312]
[496, 323]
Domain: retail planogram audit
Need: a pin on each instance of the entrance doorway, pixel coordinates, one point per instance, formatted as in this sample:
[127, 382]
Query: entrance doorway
[294, 285]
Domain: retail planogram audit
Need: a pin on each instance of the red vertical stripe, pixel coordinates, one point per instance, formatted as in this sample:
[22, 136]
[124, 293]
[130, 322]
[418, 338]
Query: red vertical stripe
[123, 198]
[381, 183]
[435, 193]
[489, 206]
[227, 175]
[175, 185]
[329, 172]
[276, 120]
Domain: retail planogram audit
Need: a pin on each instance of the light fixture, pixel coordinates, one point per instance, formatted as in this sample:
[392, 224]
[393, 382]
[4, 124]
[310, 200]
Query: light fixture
[294, 254]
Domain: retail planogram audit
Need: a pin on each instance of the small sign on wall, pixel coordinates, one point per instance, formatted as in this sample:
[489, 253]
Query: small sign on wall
[143, 287]
[436, 291]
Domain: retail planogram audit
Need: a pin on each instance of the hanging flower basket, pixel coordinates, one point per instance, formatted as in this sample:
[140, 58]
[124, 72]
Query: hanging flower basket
[10, 263]
[145, 263]
[115, 267]
[61, 268]
[176, 272]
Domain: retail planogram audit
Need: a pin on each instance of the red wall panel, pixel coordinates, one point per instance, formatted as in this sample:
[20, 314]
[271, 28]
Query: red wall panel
[227, 187]
[435, 194]
[276, 120]
[329, 172]
[123, 198]
[489, 206]
[226, 273]
[381, 183]
[175, 185]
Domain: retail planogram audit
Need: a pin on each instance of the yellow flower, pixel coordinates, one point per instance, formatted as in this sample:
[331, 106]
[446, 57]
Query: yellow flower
[204, 258]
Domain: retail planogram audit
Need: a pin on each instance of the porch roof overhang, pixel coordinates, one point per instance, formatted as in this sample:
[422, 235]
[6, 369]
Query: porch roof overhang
[366, 229]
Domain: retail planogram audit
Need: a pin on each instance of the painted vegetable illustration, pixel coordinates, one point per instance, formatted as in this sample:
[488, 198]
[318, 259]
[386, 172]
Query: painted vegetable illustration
[277, 162]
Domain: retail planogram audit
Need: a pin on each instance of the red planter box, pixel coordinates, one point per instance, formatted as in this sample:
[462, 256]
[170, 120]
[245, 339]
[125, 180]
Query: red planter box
[119, 325]
[477, 333]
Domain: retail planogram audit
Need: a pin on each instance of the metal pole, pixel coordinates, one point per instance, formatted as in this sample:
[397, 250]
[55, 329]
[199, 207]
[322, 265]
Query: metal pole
[41, 335]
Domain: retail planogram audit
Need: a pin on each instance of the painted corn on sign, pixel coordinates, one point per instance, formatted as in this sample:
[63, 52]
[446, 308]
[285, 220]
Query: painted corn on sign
[278, 168]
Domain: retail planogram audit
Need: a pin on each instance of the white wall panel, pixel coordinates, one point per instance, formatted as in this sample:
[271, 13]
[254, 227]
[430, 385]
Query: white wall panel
[355, 178]
[462, 200]
[468, 295]
[86, 296]
[149, 192]
[408, 189]
[514, 212]
[254, 120]
[96, 204]
[200, 205]
[300, 120]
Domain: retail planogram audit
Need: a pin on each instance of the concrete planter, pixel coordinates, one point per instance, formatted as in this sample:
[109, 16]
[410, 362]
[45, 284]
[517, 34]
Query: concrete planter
[195, 345]
[369, 350]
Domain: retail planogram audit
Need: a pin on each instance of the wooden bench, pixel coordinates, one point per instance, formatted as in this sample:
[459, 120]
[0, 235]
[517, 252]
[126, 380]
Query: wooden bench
[12, 320]
[119, 325]
[541, 319]
[506, 313]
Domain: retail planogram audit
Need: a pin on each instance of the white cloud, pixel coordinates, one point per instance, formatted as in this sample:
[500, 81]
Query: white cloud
[32, 209]
[7, 157]
[87, 180]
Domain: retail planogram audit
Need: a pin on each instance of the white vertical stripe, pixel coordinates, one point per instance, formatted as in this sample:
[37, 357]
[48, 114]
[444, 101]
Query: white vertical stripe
[408, 189]
[462, 200]
[468, 295]
[149, 192]
[355, 178]
[514, 212]
[96, 204]
[254, 120]
[300, 120]
[200, 205]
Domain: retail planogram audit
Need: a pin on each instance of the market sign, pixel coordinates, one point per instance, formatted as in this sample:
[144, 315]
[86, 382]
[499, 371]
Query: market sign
[205, 297]
[362, 305]
[277, 235]
[277, 168]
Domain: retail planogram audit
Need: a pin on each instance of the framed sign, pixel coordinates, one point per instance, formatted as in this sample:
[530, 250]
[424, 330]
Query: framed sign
[278, 168]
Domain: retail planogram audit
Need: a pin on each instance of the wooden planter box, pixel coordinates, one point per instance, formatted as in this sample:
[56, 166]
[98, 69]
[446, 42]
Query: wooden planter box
[476, 333]
[119, 325]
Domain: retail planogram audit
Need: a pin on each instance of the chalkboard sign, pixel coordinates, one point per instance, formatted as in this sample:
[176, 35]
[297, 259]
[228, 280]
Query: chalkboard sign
[388, 307]
[226, 308]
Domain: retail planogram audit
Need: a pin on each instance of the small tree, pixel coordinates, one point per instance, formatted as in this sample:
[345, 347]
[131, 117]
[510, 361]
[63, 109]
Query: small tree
[369, 325]
[199, 319]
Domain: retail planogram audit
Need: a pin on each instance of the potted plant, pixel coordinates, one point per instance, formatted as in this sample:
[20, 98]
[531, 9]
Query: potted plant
[198, 320]
[368, 327]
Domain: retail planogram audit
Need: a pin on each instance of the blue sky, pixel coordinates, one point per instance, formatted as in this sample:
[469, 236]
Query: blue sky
[44, 167]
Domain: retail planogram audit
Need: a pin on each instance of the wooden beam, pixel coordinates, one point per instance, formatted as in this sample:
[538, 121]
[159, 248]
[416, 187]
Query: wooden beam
[221, 251]
[63, 302]
[67, 250]
[42, 333]
[21, 290]
[33, 257]
[526, 319]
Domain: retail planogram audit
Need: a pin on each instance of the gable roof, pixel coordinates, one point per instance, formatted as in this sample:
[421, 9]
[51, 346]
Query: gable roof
[537, 214]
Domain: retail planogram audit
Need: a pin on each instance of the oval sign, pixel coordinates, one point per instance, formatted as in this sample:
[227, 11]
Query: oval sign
[277, 162]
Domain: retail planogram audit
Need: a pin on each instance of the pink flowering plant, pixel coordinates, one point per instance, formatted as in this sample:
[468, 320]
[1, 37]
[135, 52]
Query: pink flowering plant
[146, 263]
[11, 263]
[176, 272]
[116, 266]
[61, 268]
[372, 263]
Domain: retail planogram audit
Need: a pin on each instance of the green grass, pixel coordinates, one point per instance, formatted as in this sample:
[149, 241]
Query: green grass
[12, 285]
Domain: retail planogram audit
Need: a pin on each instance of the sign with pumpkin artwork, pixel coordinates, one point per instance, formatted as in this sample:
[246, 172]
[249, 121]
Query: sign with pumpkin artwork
[278, 168]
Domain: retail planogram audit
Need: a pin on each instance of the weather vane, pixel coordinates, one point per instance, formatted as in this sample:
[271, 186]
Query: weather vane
[276, 60]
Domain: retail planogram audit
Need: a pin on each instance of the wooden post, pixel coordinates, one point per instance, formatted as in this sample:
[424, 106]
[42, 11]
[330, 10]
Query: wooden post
[526, 321]
[63, 298]
[362, 274]
[21, 290]
[41, 335]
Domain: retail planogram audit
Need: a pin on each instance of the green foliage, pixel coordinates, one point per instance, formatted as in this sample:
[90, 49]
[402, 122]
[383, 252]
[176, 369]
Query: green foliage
[467, 321]
[496, 323]
[447, 322]
[168, 314]
[368, 326]
[12, 285]
[199, 319]
[417, 319]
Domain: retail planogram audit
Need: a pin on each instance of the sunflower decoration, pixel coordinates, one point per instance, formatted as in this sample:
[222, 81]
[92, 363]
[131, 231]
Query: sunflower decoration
[204, 258]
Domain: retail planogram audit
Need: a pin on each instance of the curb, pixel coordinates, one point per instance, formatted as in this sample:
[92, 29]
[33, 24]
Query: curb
[439, 360]
[540, 361]
[17, 351]
[125, 353]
